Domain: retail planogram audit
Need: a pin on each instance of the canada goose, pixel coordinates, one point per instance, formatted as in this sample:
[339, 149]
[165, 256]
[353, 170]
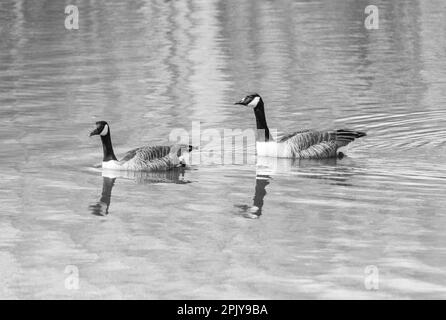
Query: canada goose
[149, 158]
[304, 144]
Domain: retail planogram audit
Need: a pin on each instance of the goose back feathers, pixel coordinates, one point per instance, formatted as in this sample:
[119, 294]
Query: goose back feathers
[312, 144]
[150, 158]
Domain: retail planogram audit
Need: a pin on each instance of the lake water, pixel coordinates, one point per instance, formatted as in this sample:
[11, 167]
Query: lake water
[370, 225]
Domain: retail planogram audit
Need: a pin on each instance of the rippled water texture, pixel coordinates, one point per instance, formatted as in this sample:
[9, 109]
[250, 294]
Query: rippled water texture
[325, 229]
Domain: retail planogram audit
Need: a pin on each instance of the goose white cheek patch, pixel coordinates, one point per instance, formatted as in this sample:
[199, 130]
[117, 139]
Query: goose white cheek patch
[104, 131]
[254, 102]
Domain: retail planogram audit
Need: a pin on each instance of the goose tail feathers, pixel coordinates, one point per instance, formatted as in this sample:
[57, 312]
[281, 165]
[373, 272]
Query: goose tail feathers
[349, 135]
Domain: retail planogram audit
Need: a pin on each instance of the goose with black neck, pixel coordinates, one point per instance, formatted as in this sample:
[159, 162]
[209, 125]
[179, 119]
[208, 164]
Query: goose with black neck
[147, 158]
[303, 144]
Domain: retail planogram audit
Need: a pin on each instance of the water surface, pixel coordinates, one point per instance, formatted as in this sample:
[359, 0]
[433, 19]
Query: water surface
[151, 66]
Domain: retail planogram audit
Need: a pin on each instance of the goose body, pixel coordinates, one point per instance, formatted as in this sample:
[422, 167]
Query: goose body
[304, 144]
[148, 158]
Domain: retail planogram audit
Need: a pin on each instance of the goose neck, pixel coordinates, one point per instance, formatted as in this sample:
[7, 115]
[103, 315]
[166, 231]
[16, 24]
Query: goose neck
[263, 133]
[107, 148]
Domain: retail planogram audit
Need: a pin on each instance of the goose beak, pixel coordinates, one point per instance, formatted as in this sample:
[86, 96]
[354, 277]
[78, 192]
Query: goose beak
[241, 102]
[95, 132]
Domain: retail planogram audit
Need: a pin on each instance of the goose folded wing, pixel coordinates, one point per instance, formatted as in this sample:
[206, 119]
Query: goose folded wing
[304, 139]
[148, 153]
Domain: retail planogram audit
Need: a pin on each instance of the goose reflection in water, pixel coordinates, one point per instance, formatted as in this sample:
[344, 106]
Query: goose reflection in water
[255, 211]
[267, 167]
[101, 208]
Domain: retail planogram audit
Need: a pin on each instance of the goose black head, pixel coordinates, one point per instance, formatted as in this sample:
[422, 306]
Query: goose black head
[102, 129]
[251, 100]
